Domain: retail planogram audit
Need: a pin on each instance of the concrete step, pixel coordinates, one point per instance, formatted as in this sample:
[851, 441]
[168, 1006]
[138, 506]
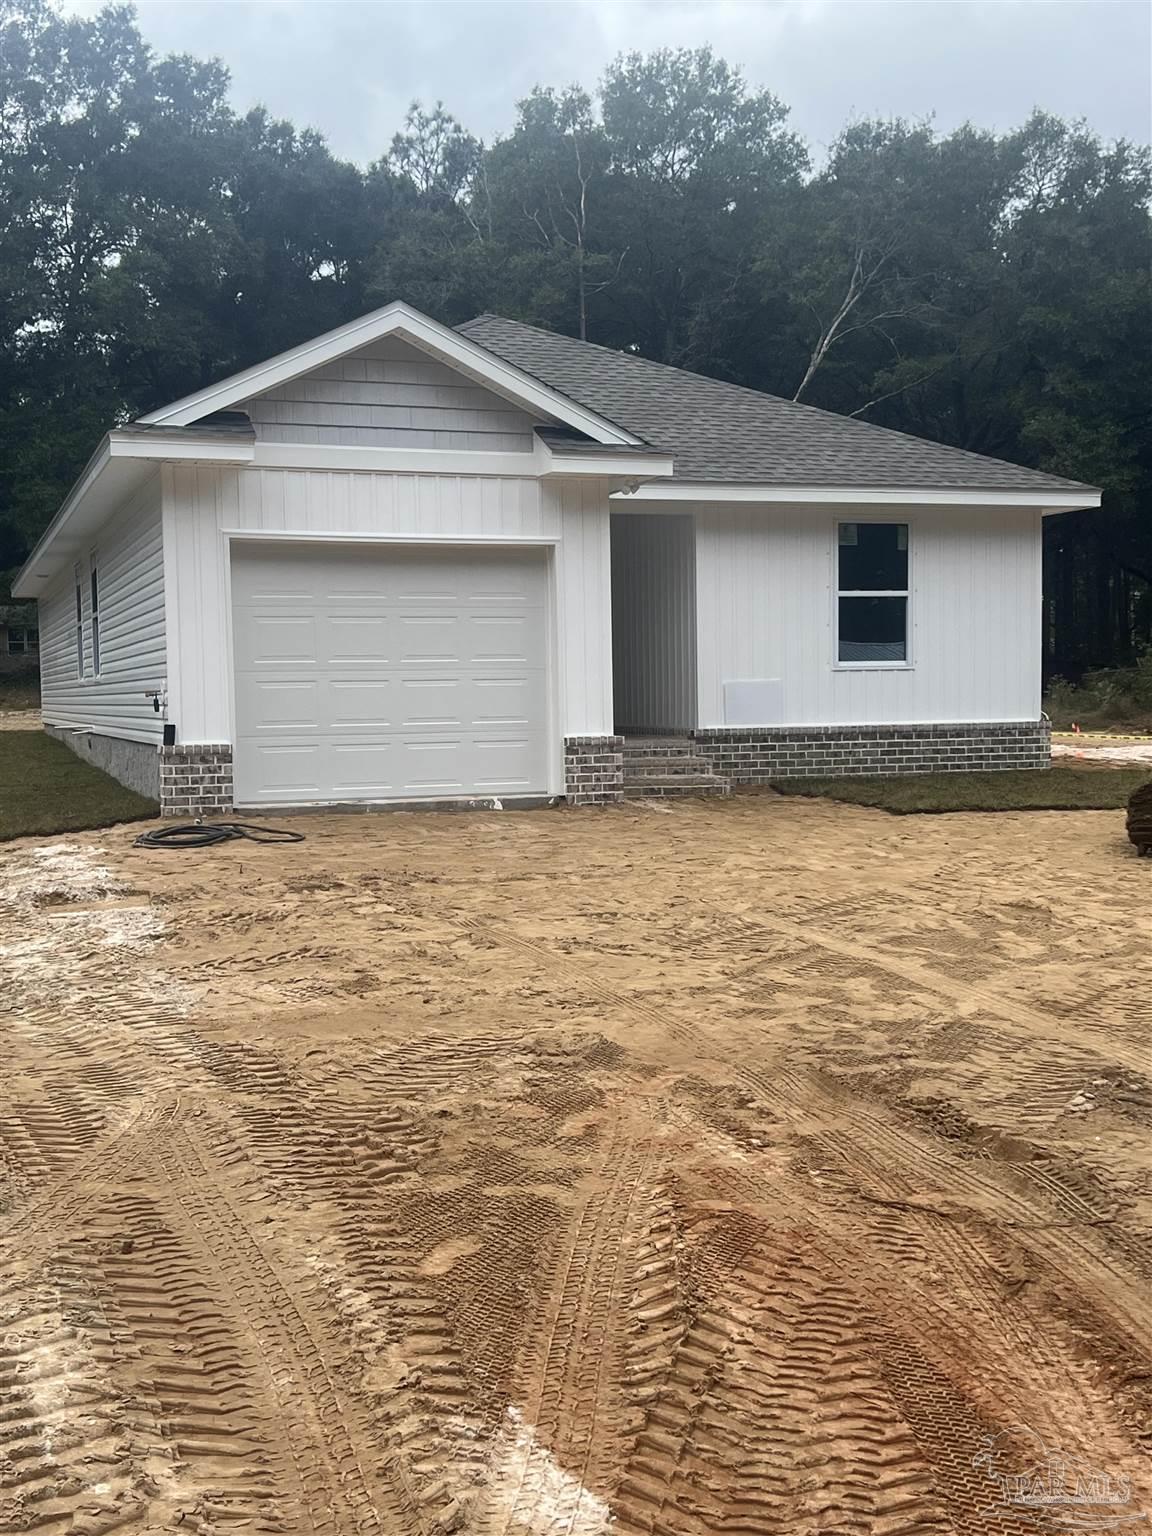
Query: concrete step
[655, 786]
[641, 767]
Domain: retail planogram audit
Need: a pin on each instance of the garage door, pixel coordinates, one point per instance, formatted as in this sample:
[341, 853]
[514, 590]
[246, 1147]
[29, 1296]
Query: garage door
[388, 674]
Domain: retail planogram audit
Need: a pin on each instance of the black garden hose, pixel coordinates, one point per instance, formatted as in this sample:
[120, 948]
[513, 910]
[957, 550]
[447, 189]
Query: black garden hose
[203, 834]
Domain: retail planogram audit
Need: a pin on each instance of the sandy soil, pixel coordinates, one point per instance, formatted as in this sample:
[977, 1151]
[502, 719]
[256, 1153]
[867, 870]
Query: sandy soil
[1123, 753]
[19, 719]
[771, 1166]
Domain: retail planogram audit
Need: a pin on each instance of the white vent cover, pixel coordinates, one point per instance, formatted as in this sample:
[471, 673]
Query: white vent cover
[754, 701]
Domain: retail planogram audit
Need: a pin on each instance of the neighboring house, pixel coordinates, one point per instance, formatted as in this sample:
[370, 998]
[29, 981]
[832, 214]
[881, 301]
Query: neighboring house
[406, 563]
[19, 639]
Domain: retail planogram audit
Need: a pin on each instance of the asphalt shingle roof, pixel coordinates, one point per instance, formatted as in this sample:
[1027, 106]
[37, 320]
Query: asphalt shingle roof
[724, 432]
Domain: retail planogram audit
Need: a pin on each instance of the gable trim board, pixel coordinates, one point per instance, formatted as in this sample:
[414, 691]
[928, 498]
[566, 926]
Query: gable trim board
[391, 541]
[397, 319]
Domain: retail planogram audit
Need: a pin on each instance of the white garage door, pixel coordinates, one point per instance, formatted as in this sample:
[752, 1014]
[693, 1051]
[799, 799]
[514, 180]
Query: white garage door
[396, 673]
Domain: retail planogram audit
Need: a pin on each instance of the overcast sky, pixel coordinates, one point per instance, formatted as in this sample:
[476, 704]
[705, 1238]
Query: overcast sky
[350, 67]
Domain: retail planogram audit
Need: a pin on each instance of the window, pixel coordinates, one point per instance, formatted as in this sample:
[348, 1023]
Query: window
[94, 618]
[79, 625]
[23, 642]
[872, 594]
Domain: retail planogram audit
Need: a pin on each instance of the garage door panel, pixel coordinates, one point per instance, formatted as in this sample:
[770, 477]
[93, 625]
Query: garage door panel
[389, 674]
[505, 638]
[361, 639]
[471, 703]
[284, 771]
[267, 704]
[270, 640]
[428, 637]
[357, 704]
[509, 765]
[361, 770]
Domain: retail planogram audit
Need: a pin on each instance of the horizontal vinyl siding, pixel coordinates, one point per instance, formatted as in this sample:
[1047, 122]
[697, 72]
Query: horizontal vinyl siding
[766, 596]
[130, 562]
[390, 395]
[201, 502]
[653, 627]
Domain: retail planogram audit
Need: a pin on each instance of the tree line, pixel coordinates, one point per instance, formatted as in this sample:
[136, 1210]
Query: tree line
[988, 290]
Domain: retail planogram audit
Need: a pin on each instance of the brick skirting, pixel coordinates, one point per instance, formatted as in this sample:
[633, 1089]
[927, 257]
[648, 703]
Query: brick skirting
[754, 754]
[196, 780]
[594, 769]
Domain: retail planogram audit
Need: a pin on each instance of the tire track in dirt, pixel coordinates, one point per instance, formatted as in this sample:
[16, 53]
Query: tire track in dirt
[423, 1405]
[915, 973]
[775, 1416]
[333, 1456]
[796, 1095]
[62, 1426]
[872, 1139]
[178, 1346]
[565, 1456]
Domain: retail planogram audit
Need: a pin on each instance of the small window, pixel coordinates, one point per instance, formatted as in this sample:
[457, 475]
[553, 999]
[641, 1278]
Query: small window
[94, 619]
[872, 594]
[79, 625]
[23, 642]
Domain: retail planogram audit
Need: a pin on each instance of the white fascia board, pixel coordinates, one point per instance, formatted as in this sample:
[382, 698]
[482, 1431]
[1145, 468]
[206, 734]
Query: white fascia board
[538, 463]
[410, 325]
[175, 449]
[105, 485]
[415, 536]
[1048, 502]
[644, 464]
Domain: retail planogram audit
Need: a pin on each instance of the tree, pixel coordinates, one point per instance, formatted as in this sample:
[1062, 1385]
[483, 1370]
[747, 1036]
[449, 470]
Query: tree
[985, 290]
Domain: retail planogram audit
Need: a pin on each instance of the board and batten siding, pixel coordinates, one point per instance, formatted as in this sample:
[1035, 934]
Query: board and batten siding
[653, 621]
[766, 594]
[129, 556]
[203, 505]
[390, 395]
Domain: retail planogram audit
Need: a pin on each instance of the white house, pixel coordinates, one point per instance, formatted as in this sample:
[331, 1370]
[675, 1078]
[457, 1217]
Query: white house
[403, 563]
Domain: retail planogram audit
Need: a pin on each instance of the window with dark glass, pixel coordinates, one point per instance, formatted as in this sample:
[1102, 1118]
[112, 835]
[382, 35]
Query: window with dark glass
[94, 619]
[872, 593]
[79, 626]
[23, 642]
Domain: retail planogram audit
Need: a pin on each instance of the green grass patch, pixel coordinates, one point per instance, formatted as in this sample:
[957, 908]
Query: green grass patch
[1043, 789]
[1112, 699]
[45, 788]
[20, 691]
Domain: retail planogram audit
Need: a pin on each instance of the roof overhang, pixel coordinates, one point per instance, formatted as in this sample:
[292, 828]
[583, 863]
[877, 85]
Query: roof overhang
[407, 324]
[1048, 502]
[121, 465]
[128, 456]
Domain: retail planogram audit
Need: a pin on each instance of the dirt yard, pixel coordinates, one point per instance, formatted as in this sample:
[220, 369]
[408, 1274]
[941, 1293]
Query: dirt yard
[751, 1168]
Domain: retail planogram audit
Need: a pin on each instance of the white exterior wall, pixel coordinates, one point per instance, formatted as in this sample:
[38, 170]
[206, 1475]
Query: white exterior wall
[653, 621]
[766, 596]
[130, 560]
[204, 505]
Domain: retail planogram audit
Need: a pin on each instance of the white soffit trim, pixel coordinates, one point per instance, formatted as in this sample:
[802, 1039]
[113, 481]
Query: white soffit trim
[400, 320]
[796, 495]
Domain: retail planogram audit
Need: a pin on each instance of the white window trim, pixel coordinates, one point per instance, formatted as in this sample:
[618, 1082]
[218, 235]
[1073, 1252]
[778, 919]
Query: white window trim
[909, 662]
[24, 649]
[78, 618]
[94, 584]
